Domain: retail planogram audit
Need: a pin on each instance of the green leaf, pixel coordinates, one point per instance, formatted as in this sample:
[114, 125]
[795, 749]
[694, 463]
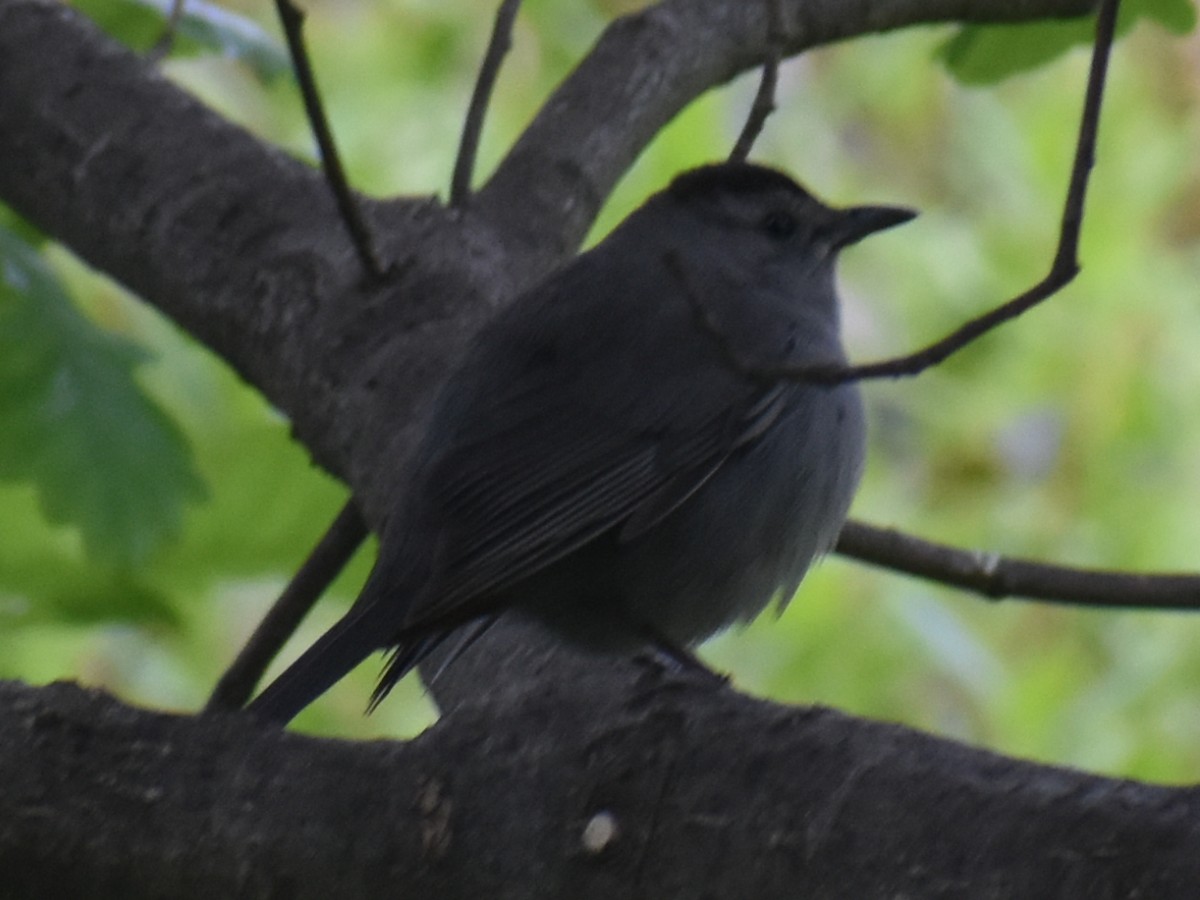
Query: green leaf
[985, 54]
[65, 592]
[202, 28]
[75, 423]
[1177, 16]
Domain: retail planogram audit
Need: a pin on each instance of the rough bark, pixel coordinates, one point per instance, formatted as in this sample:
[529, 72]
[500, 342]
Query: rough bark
[704, 792]
[712, 793]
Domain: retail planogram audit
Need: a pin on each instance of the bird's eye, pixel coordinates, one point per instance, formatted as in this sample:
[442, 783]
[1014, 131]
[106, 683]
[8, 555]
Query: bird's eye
[779, 224]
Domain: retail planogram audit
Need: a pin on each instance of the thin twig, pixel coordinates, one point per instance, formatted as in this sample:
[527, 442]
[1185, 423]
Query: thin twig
[166, 40]
[1063, 269]
[293, 22]
[489, 69]
[997, 577]
[324, 563]
[764, 99]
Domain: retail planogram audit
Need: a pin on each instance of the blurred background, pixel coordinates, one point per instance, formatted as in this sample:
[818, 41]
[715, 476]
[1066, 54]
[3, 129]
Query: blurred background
[148, 523]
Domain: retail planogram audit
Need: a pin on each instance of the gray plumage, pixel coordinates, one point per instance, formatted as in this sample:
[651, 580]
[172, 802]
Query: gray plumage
[599, 463]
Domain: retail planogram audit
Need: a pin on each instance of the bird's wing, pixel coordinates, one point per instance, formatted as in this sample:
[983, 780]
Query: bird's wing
[571, 423]
[512, 513]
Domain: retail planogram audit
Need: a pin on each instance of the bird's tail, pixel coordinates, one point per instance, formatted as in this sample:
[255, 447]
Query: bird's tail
[410, 653]
[355, 637]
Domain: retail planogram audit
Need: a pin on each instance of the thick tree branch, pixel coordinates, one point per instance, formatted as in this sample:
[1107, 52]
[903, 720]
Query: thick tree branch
[240, 244]
[102, 800]
[235, 241]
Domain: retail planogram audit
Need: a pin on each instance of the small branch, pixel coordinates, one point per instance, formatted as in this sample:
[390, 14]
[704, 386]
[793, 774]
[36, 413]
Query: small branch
[1063, 269]
[166, 40]
[764, 99]
[293, 22]
[1085, 150]
[916, 363]
[997, 577]
[489, 69]
[324, 563]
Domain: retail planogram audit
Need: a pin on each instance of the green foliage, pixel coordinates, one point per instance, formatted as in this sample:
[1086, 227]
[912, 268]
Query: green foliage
[103, 456]
[46, 581]
[984, 54]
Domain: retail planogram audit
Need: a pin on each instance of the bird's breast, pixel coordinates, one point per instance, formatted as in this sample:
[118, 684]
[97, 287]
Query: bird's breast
[752, 530]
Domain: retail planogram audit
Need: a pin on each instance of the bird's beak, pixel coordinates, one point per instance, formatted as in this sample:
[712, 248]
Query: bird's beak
[860, 221]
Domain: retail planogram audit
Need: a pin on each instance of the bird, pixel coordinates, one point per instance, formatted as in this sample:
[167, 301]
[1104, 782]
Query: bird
[606, 458]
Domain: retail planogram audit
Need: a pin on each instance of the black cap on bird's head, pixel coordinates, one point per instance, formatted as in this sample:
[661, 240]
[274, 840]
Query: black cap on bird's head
[735, 178]
[841, 227]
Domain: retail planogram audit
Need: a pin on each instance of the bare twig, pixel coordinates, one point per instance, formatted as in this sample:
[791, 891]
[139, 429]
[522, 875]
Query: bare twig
[293, 21]
[323, 565]
[489, 69]
[1063, 269]
[998, 577]
[764, 99]
[162, 46]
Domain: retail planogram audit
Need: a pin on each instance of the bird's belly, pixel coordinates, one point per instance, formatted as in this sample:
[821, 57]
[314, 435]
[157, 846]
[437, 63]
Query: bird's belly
[751, 532]
[746, 536]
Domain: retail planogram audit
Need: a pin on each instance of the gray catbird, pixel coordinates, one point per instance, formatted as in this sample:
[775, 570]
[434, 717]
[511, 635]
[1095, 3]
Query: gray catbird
[600, 461]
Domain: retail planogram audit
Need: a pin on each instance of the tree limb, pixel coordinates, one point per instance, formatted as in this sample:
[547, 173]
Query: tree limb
[702, 792]
[998, 577]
